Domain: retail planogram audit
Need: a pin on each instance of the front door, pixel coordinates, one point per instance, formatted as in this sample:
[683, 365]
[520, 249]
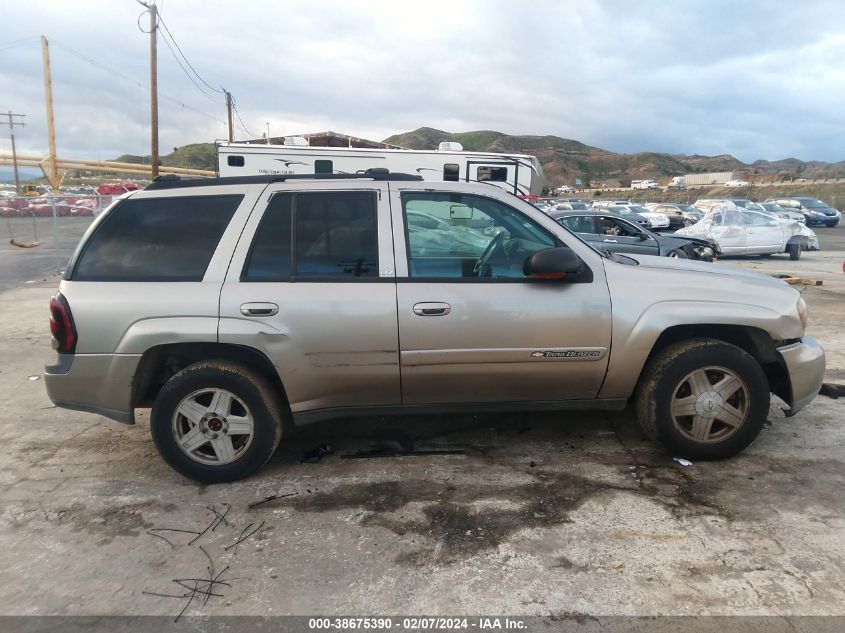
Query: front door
[311, 285]
[763, 234]
[620, 236]
[472, 327]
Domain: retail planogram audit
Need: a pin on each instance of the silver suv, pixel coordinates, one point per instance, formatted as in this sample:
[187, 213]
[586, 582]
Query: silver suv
[234, 307]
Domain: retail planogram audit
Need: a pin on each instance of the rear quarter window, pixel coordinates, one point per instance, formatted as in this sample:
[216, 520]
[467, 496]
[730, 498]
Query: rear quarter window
[156, 239]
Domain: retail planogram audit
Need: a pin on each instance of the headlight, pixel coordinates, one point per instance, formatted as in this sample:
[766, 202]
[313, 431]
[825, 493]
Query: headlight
[703, 252]
[802, 312]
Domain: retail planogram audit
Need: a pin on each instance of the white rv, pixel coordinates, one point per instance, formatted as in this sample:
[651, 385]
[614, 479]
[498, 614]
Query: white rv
[520, 174]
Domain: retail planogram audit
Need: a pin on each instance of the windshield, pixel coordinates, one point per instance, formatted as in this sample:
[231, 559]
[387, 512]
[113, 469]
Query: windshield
[688, 208]
[638, 208]
[753, 206]
[811, 203]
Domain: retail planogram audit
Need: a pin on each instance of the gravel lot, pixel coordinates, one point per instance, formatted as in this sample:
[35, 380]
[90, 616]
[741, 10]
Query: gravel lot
[565, 515]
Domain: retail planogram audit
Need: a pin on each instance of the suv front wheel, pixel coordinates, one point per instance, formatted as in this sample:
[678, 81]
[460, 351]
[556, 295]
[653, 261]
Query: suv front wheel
[216, 421]
[703, 399]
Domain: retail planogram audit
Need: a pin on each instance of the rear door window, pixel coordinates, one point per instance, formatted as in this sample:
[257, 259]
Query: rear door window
[331, 235]
[156, 239]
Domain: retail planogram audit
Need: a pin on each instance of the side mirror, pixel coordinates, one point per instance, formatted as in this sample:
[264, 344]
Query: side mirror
[643, 237]
[552, 263]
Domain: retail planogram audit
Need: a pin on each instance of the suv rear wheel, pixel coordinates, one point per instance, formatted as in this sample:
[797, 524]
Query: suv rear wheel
[216, 421]
[703, 399]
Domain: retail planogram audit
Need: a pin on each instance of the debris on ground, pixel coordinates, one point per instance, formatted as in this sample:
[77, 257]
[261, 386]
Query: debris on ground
[271, 498]
[387, 453]
[794, 281]
[832, 391]
[682, 461]
[316, 454]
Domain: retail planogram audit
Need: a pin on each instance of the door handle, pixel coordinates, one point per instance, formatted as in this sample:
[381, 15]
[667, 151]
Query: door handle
[259, 309]
[432, 309]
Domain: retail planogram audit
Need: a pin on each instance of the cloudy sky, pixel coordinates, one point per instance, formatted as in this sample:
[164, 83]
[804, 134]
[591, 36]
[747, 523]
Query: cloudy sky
[753, 79]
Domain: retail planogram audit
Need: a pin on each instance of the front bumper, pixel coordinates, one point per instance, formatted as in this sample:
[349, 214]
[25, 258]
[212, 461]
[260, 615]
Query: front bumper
[804, 363]
[96, 383]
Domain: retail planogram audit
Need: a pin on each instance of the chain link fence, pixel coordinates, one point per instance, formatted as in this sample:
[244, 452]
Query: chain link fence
[41, 232]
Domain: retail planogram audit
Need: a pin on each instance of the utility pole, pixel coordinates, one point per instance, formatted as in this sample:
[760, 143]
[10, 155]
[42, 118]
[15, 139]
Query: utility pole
[153, 89]
[229, 113]
[12, 123]
[53, 175]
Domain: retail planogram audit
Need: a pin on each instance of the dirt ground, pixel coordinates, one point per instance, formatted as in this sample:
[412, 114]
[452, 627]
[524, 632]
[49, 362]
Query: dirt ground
[563, 515]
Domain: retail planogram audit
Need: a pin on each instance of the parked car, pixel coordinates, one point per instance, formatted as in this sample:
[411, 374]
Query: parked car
[656, 220]
[678, 213]
[606, 204]
[235, 307]
[815, 211]
[708, 203]
[614, 234]
[571, 206]
[737, 183]
[740, 231]
[626, 212]
[773, 208]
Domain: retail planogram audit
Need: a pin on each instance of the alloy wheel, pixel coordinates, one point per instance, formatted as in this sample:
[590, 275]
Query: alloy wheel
[710, 404]
[213, 426]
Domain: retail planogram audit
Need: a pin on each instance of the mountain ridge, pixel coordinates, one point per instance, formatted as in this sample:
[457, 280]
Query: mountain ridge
[565, 160]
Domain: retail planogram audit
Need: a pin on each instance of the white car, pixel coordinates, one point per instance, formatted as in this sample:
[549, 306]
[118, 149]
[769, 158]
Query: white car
[737, 183]
[740, 231]
[657, 220]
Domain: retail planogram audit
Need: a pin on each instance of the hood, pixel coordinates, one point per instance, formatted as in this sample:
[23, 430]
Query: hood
[706, 268]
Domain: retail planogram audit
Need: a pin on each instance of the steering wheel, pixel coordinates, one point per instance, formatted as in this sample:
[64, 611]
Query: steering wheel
[488, 253]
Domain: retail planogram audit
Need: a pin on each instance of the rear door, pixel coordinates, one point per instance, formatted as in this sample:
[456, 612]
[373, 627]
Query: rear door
[472, 327]
[311, 285]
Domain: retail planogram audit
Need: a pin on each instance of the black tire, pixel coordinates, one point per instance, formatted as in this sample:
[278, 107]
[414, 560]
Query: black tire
[246, 384]
[669, 367]
[679, 253]
[794, 251]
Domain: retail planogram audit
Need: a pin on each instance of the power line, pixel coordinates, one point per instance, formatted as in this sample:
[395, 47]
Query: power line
[184, 70]
[241, 122]
[21, 42]
[131, 80]
[173, 39]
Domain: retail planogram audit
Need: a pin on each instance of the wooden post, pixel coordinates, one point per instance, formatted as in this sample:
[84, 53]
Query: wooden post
[154, 162]
[229, 114]
[53, 174]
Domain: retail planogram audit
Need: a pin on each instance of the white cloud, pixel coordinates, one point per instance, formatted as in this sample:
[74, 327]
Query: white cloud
[753, 79]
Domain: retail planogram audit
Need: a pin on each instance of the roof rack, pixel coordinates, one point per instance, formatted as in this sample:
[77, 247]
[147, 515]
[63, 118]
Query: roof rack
[172, 181]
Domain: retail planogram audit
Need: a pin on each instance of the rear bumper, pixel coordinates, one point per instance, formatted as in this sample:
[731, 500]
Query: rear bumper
[805, 365]
[96, 383]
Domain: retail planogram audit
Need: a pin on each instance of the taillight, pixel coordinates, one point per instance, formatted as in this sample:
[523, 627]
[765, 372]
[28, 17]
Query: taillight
[61, 324]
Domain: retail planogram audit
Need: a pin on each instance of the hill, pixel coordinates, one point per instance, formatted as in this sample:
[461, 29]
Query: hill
[564, 160]
[194, 156]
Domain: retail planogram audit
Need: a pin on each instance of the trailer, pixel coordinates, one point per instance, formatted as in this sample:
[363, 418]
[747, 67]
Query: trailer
[521, 174]
[711, 178]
